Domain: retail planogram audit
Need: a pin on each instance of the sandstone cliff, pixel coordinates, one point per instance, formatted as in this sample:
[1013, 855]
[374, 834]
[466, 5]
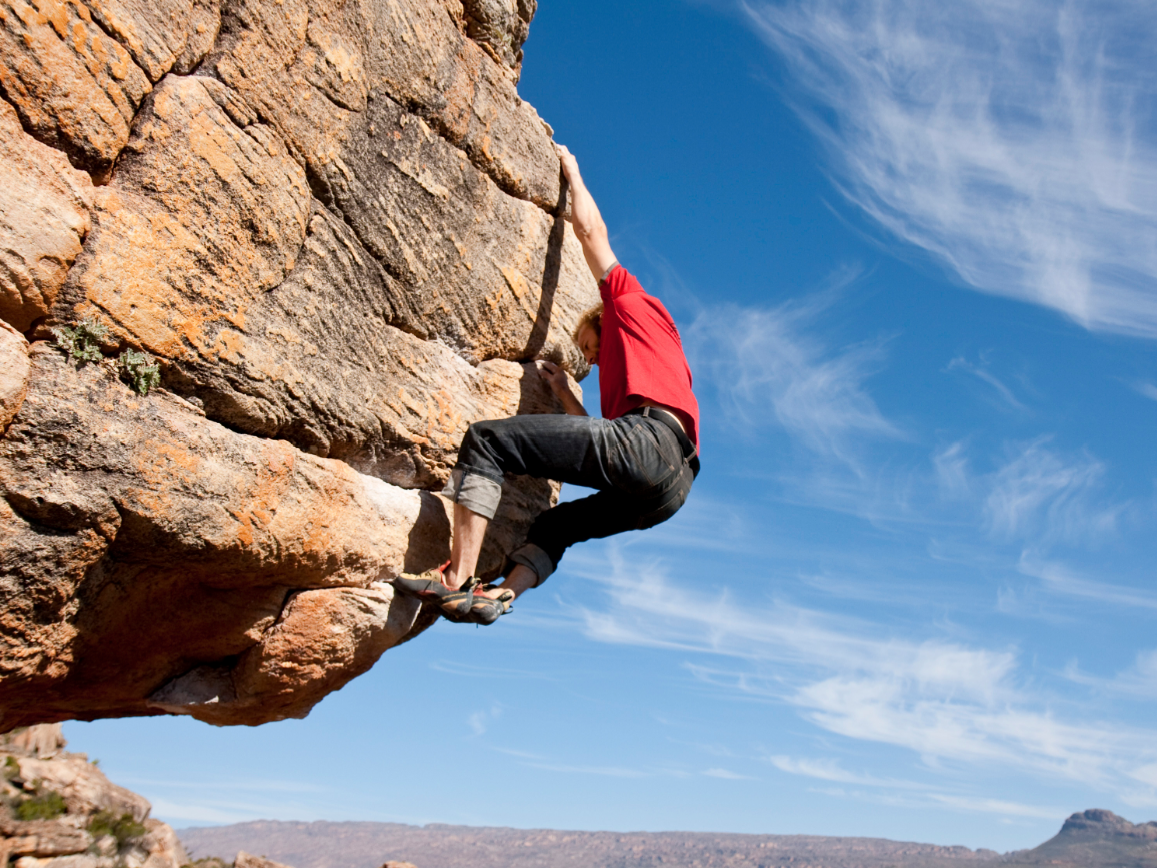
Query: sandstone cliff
[58, 810]
[340, 233]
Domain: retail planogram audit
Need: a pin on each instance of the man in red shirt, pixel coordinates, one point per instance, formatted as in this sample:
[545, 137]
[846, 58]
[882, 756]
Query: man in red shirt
[642, 456]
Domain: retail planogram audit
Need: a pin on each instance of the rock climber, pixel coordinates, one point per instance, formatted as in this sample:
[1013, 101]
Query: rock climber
[642, 455]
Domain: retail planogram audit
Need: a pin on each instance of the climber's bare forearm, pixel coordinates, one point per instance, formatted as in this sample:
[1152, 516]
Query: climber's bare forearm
[572, 405]
[586, 220]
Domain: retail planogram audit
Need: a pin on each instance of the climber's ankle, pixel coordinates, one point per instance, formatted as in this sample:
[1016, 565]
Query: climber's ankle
[450, 578]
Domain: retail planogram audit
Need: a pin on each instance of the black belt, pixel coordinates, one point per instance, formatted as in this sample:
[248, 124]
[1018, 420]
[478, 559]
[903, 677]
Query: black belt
[690, 451]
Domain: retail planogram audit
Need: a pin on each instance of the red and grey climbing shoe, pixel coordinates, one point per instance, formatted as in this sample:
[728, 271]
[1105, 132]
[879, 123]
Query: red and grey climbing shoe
[487, 610]
[430, 587]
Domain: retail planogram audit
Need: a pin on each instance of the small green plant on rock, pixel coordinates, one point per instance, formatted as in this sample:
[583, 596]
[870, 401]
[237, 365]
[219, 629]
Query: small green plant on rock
[82, 341]
[11, 768]
[141, 370]
[42, 806]
[124, 828]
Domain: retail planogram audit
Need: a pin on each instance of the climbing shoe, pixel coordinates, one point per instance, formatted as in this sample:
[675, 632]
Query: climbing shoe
[487, 610]
[430, 587]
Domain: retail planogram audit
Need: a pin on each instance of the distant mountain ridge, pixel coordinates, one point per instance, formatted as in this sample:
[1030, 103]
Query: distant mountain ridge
[1092, 839]
[368, 845]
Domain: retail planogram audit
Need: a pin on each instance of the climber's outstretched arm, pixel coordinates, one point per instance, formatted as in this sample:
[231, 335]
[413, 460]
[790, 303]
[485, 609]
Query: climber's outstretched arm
[588, 223]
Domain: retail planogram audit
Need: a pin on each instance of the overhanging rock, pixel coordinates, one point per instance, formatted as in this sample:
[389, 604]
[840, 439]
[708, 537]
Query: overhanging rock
[340, 232]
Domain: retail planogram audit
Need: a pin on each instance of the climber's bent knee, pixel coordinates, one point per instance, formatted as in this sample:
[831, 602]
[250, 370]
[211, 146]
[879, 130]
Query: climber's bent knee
[474, 491]
[535, 559]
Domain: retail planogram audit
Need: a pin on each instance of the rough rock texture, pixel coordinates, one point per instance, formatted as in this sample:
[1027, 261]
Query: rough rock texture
[44, 206]
[73, 86]
[14, 370]
[84, 820]
[341, 233]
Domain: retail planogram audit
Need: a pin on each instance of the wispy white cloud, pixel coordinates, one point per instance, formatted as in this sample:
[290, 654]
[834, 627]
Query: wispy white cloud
[1011, 140]
[1059, 579]
[901, 793]
[981, 372]
[831, 770]
[598, 771]
[948, 702]
[479, 721]
[1146, 774]
[1054, 498]
[727, 775]
[767, 366]
[997, 806]
[952, 470]
[1146, 389]
[1138, 680]
[970, 804]
[474, 670]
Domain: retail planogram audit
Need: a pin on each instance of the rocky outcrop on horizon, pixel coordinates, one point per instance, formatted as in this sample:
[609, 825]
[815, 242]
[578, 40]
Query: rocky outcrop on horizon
[1095, 839]
[339, 233]
[58, 810]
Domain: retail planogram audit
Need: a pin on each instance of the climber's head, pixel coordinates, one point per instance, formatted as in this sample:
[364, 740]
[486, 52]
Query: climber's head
[588, 332]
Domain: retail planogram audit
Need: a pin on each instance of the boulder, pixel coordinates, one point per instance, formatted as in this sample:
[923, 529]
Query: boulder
[93, 823]
[340, 235]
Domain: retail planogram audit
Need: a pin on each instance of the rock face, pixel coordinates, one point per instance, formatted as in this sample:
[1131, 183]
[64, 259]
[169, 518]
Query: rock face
[59, 810]
[341, 234]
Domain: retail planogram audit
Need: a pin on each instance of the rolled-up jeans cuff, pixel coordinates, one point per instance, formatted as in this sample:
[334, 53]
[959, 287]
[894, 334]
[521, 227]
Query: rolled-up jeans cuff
[530, 555]
[474, 491]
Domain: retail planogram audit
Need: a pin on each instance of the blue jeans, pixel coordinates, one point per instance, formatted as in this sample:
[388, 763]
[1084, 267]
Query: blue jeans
[636, 463]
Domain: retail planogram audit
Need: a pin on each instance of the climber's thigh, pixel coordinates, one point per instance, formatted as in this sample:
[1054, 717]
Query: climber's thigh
[549, 446]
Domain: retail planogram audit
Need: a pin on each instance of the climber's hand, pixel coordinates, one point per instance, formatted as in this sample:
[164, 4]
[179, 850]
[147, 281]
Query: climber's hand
[556, 378]
[569, 163]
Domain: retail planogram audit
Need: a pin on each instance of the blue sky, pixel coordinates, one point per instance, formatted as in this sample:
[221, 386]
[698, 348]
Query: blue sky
[911, 249]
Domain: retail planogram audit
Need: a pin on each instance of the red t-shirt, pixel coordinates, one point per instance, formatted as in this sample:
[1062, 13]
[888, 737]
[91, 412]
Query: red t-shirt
[640, 354]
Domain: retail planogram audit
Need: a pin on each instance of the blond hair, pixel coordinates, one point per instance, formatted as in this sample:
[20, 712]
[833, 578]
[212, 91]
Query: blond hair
[592, 318]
